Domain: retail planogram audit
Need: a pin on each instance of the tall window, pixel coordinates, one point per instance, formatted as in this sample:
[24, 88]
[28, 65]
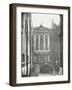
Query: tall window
[47, 42]
[41, 42]
[37, 42]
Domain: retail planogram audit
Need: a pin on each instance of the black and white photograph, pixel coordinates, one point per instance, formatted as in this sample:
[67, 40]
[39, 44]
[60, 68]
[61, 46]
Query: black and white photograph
[41, 44]
[40, 53]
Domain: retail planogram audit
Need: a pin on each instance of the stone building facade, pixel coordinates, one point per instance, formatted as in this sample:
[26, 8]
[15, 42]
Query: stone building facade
[45, 50]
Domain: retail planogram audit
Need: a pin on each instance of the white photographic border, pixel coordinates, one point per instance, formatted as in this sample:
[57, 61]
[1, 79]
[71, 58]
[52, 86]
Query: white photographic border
[63, 77]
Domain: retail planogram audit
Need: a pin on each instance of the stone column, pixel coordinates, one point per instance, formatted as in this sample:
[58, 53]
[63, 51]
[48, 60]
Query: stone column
[23, 42]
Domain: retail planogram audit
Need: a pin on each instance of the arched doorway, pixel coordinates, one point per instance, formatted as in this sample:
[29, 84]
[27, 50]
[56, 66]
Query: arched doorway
[46, 69]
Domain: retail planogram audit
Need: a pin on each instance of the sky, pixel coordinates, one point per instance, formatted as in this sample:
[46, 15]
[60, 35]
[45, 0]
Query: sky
[45, 19]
